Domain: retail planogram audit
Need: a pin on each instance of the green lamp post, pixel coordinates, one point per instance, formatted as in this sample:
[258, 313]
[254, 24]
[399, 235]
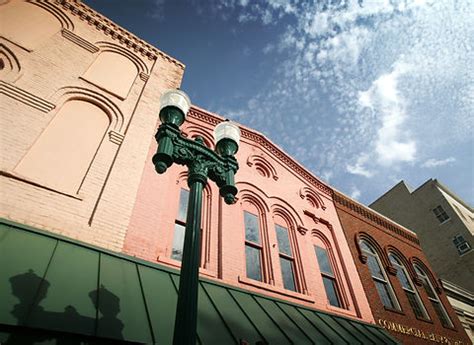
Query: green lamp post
[220, 166]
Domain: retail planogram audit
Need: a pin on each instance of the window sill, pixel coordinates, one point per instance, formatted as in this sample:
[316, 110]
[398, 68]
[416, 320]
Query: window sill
[274, 289]
[424, 320]
[339, 310]
[18, 177]
[177, 264]
[394, 310]
[445, 221]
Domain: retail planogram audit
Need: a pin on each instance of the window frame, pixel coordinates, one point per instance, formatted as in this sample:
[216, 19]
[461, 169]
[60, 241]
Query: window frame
[458, 241]
[441, 214]
[398, 264]
[435, 301]
[331, 276]
[290, 258]
[254, 245]
[388, 285]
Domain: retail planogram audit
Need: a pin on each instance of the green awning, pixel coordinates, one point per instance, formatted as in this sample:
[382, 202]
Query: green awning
[56, 291]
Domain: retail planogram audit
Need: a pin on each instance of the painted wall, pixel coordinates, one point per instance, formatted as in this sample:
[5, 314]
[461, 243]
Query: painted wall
[77, 111]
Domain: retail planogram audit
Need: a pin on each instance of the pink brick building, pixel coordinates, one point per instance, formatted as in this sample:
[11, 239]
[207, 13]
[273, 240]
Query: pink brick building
[79, 101]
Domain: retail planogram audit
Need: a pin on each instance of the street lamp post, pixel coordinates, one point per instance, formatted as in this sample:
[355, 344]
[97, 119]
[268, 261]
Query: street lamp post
[203, 163]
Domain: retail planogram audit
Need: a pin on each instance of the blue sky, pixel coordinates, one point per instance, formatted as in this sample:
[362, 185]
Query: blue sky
[362, 93]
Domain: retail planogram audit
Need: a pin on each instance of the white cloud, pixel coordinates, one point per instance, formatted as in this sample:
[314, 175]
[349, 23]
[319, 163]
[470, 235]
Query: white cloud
[433, 163]
[383, 97]
[369, 79]
[359, 167]
[355, 193]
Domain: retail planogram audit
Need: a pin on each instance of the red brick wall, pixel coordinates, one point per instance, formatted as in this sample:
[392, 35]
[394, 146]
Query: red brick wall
[356, 221]
[271, 184]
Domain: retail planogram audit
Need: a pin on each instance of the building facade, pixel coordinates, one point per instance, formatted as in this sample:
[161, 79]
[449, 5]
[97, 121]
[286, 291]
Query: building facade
[405, 296]
[91, 236]
[444, 225]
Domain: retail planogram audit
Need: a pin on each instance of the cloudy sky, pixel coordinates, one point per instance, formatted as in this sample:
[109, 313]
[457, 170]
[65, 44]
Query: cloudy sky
[362, 93]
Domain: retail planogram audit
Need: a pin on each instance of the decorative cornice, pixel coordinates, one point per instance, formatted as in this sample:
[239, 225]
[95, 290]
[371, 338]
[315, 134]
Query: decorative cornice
[85, 13]
[318, 220]
[144, 76]
[25, 97]
[71, 36]
[116, 137]
[370, 215]
[269, 146]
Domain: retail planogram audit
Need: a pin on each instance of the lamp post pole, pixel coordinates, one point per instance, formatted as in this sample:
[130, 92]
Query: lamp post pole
[203, 163]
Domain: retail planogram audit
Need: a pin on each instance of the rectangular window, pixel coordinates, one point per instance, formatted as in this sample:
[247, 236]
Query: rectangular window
[441, 214]
[253, 248]
[329, 279]
[287, 261]
[384, 294]
[287, 274]
[253, 263]
[179, 226]
[178, 242]
[461, 244]
[441, 314]
[415, 305]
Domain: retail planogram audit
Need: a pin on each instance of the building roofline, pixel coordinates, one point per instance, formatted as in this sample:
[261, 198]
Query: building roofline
[115, 31]
[453, 195]
[388, 191]
[271, 147]
[375, 217]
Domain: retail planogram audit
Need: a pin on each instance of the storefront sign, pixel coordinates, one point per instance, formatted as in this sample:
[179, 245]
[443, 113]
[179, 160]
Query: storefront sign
[415, 332]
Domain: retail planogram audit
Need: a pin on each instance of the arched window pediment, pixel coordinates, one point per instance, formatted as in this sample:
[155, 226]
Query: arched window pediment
[262, 166]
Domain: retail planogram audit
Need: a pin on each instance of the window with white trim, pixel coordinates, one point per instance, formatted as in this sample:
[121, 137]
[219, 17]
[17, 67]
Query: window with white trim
[253, 246]
[440, 214]
[180, 225]
[433, 297]
[409, 288]
[328, 275]
[384, 289]
[287, 260]
[461, 244]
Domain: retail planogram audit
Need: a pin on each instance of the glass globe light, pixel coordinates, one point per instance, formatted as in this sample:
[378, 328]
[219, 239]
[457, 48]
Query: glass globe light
[175, 98]
[227, 137]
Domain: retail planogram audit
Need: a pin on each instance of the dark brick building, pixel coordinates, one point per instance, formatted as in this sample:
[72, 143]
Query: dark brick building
[405, 296]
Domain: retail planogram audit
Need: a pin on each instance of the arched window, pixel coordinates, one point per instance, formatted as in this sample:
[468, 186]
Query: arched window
[409, 288]
[286, 254]
[379, 276]
[27, 24]
[433, 297]
[62, 154]
[328, 274]
[113, 72]
[253, 244]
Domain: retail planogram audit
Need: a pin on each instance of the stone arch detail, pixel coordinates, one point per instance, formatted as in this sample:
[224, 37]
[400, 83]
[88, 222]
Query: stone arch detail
[313, 197]
[111, 47]
[253, 195]
[409, 267]
[417, 261]
[381, 253]
[25, 26]
[263, 166]
[287, 212]
[59, 14]
[63, 153]
[10, 66]
[112, 110]
[193, 131]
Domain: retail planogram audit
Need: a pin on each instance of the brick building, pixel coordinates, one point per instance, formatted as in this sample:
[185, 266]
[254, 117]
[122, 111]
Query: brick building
[404, 293]
[91, 236]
